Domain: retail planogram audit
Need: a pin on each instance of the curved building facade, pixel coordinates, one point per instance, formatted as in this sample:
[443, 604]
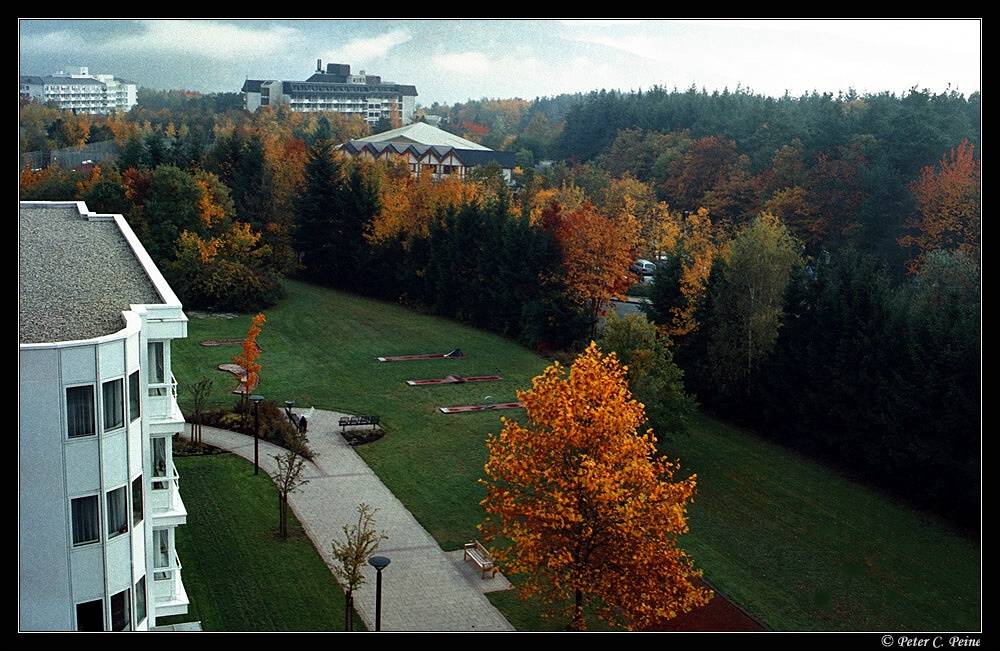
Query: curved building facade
[98, 495]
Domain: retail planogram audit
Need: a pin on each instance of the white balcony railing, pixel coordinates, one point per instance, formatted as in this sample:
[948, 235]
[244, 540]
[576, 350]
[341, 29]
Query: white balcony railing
[166, 494]
[162, 398]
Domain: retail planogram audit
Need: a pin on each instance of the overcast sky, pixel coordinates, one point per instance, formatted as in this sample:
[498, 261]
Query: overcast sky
[454, 60]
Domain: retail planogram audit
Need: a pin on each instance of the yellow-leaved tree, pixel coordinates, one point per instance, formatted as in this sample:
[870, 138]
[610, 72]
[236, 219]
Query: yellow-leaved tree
[588, 512]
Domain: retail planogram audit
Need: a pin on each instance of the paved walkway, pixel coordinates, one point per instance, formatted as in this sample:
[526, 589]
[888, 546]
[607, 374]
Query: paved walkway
[423, 589]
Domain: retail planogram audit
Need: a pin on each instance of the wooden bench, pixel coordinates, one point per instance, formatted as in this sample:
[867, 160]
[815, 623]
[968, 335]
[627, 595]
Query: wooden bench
[352, 421]
[478, 554]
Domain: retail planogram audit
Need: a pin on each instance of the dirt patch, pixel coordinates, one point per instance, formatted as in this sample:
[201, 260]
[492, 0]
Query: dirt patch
[720, 614]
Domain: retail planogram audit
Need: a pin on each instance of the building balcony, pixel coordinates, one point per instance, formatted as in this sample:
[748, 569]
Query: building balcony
[169, 595]
[165, 503]
[165, 416]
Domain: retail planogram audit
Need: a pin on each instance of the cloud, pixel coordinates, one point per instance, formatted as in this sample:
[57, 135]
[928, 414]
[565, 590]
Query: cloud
[463, 63]
[208, 39]
[362, 50]
[642, 46]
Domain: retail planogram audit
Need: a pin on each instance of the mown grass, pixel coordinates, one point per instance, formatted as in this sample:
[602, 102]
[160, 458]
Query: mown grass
[790, 540]
[239, 575]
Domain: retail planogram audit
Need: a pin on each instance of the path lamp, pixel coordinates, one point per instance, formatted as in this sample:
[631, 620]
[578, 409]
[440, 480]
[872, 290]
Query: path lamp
[255, 399]
[379, 563]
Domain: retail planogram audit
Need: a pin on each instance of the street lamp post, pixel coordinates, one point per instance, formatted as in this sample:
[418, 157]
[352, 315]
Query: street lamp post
[379, 563]
[256, 430]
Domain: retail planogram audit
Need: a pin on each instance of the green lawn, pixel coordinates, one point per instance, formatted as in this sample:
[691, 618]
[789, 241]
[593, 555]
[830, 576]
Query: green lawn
[239, 575]
[787, 538]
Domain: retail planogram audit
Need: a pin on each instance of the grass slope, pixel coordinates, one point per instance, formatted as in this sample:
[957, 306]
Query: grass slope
[787, 538]
[238, 574]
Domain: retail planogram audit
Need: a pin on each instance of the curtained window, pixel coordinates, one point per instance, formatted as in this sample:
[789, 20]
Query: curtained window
[140, 600]
[117, 512]
[137, 500]
[134, 404]
[161, 552]
[156, 373]
[80, 411]
[120, 611]
[114, 404]
[86, 520]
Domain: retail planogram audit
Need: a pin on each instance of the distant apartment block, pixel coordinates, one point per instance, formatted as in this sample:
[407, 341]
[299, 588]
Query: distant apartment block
[337, 90]
[98, 494]
[81, 91]
[430, 150]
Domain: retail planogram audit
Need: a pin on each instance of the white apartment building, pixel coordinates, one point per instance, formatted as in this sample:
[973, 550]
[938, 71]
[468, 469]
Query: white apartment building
[81, 91]
[98, 498]
[336, 90]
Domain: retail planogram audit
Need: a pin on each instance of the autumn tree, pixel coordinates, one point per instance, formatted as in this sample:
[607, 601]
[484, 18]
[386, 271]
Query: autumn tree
[680, 280]
[596, 253]
[592, 513]
[409, 204]
[247, 358]
[288, 478]
[360, 543]
[748, 303]
[948, 198]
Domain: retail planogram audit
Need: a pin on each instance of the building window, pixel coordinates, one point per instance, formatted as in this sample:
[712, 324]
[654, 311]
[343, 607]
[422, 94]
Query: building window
[90, 616]
[80, 411]
[159, 453]
[161, 553]
[86, 520]
[134, 404]
[120, 607]
[117, 512]
[156, 370]
[114, 404]
[140, 600]
[137, 500]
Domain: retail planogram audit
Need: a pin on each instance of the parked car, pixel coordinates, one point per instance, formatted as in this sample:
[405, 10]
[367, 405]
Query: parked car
[643, 267]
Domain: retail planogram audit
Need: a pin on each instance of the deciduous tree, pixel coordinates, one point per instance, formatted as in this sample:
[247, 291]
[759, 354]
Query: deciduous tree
[592, 513]
[360, 542]
[950, 207]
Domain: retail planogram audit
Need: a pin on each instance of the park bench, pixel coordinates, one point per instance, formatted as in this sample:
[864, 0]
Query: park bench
[352, 421]
[475, 552]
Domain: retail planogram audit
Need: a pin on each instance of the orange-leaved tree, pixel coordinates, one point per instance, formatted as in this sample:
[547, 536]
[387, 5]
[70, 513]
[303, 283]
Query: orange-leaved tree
[589, 513]
[596, 253]
[950, 207]
[247, 358]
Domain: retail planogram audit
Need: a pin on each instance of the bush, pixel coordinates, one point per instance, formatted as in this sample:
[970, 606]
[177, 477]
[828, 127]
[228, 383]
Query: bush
[274, 426]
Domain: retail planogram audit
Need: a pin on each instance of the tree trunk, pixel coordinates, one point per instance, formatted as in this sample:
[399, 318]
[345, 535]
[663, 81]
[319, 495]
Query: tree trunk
[347, 611]
[578, 623]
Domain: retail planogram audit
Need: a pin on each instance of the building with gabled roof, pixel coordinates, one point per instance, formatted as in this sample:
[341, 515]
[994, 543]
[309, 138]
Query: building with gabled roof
[430, 150]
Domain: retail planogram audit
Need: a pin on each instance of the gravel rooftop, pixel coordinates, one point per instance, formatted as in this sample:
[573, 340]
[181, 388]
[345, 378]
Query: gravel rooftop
[75, 276]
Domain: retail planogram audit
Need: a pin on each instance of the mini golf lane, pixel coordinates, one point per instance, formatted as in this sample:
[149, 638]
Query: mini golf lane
[413, 358]
[467, 408]
[454, 379]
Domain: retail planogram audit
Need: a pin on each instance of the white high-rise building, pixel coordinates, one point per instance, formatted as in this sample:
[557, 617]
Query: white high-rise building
[81, 91]
[98, 499]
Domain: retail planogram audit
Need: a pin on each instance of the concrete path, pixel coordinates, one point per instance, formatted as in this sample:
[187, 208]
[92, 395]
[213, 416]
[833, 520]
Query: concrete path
[424, 588]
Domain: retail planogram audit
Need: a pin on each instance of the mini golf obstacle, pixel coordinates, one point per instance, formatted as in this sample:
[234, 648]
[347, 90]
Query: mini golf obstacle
[454, 379]
[208, 343]
[455, 354]
[241, 375]
[487, 407]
